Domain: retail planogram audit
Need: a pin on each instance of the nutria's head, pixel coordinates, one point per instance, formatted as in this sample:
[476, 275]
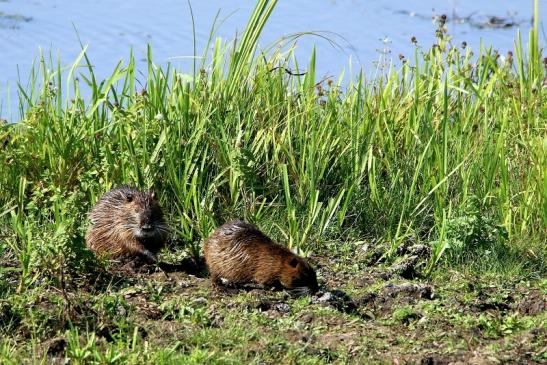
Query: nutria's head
[143, 216]
[127, 221]
[298, 276]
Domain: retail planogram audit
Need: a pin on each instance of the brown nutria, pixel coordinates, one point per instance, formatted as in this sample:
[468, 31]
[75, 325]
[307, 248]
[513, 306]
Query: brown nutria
[127, 222]
[240, 253]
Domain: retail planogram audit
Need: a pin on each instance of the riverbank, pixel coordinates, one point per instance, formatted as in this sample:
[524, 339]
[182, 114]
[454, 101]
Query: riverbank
[418, 195]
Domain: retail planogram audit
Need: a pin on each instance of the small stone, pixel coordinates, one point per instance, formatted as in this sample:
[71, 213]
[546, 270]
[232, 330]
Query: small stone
[422, 291]
[183, 284]
[336, 299]
[306, 318]
[129, 292]
[200, 302]
[282, 308]
[121, 311]
[326, 297]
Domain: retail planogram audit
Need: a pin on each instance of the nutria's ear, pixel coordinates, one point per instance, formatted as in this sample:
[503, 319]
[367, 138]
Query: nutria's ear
[293, 262]
[129, 198]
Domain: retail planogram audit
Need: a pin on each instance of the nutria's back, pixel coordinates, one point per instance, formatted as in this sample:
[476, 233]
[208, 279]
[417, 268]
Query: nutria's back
[240, 253]
[126, 221]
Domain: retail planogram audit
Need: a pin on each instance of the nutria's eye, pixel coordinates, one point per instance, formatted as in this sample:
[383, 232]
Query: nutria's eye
[293, 262]
[129, 198]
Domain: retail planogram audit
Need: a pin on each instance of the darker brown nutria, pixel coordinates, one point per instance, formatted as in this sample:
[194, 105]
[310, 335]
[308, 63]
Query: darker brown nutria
[239, 253]
[127, 222]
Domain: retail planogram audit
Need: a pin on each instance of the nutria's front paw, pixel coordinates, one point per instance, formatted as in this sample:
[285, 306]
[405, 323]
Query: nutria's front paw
[148, 257]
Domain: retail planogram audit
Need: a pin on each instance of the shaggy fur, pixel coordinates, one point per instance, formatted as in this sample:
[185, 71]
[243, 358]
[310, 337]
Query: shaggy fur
[127, 222]
[240, 253]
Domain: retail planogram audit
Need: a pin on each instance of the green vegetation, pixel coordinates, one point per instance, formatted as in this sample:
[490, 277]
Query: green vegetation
[448, 150]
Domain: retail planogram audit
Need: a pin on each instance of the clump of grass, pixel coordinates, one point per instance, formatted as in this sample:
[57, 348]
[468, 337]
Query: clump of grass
[394, 157]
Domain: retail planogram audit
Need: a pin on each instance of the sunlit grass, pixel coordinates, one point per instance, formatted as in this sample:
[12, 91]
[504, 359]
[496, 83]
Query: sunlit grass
[447, 149]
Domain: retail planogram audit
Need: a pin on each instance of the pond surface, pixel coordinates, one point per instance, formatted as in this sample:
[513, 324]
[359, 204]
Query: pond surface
[363, 29]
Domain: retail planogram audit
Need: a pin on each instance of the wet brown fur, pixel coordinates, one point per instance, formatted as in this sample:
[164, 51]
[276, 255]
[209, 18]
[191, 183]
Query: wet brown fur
[240, 253]
[127, 222]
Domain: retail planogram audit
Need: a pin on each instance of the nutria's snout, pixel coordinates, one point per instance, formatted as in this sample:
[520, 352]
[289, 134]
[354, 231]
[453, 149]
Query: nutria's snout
[145, 232]
[147, 227]
[151, 231]
[309, 287]
[146, 223]
[150, 223]
[304, 281]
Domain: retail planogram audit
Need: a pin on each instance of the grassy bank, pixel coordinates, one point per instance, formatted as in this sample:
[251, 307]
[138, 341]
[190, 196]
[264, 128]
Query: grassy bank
[446, 149]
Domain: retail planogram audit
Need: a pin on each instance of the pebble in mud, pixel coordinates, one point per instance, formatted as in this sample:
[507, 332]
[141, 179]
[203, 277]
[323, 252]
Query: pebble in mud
[200, 302]
[282, 307]
[336, 299]
[415, 290]
[273, 310]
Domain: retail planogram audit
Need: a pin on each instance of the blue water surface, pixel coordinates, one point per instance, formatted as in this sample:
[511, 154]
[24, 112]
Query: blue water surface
[364, 30]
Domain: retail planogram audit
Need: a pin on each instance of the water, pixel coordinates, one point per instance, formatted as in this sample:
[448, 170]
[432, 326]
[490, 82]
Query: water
[364, 29]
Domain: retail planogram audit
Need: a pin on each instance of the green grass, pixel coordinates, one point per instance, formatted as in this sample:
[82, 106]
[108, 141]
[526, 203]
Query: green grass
[447, 149]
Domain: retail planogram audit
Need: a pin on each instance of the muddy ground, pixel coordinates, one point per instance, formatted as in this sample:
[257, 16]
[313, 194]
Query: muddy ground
[365, 312]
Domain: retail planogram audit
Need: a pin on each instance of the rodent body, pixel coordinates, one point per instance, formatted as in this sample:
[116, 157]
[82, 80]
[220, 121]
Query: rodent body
[127, 222]
[240, 253]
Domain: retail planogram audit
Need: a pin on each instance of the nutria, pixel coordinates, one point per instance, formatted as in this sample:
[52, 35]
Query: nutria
[127, 222]
[240, 253]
